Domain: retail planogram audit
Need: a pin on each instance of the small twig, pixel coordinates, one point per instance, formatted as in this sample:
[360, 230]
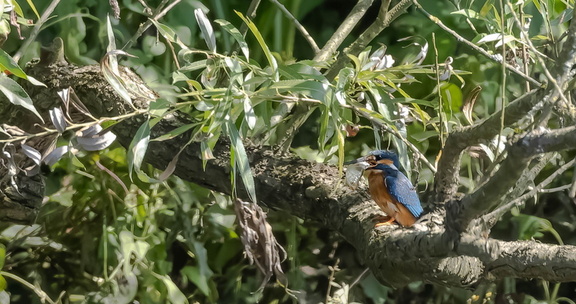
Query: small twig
[159, 12]
[250, 14]
[73, 127]
[488, 195]
[113, 175]
[497, 213]
[383, 20]
[555, 189]
[503, 84]
[359, 277]
[299, 26]
[525, 56]
[475, 47]
[333, 270]
[538, 57]
[447, 179]
[36, 29]
[441, 114]
[344, 30]
[147, 8]
[39, 292]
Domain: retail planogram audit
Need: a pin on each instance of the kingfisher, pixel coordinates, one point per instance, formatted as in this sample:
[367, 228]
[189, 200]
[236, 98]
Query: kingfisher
[390, 188]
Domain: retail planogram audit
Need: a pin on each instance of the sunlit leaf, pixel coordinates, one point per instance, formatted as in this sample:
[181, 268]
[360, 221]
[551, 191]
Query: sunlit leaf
[496, 37]
[32, 153]
[196, 65]
[55, 155]
[249, 114]
[452, 97]
[168, 33]
[159, 106]
[235, 33]
[8, 63]
[468, 13]
[312, 88]
[113, 77]
[58, 119]
[16, 94]
[194, 275]
[2, 255]
[206, 29]
[241, 160]
[175, 296]
[138, 147]
[175, 132]
[468, 106]
[112, 61]
[35, 81]
[263, 45]
[97, 142]
[357, 63]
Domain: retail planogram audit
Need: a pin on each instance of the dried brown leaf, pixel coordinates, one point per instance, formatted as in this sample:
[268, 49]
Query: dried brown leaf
[260, 245]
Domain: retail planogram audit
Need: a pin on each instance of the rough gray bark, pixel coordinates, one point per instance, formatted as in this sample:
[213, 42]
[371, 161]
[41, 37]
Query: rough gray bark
[433, 250]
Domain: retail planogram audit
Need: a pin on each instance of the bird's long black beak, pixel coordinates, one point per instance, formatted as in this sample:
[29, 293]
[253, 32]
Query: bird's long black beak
[355, 161]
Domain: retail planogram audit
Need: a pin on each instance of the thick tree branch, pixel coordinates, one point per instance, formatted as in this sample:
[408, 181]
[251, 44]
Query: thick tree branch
[446, 180]
[487, 196]
[517, 200]
[385, 17]
[524, 259]
[305, 189]
[343, 30]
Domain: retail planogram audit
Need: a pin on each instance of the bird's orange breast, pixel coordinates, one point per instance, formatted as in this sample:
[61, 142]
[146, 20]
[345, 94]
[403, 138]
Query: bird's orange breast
[381, 195]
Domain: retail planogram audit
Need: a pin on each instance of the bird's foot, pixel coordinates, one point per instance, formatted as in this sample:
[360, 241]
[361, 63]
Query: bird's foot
[383, 221]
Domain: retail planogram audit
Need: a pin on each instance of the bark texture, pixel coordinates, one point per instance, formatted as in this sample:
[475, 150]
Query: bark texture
[441, 248]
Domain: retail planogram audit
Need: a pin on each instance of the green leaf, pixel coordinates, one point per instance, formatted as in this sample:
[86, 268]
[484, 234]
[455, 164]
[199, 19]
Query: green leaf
[249, 114]
[175, 295]
[425, 135]
[138, 147]
[344, 78]
[200, 275]
[8, 63]
[235, 33]
[326, 129]
[452, 97]
[175, 132]
[168, 33]
[3, 283]
[31, 3]
[194, 275]
[468, 13]
[16, 94]
[312, 88]
[267, 53]
[196, 65]
[2, 255]
[206, 29]
[130, 245]
[241, 159]
[488, 5]
[159, 106]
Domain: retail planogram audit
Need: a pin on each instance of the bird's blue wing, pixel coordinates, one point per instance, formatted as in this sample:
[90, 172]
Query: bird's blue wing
[402, 190]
